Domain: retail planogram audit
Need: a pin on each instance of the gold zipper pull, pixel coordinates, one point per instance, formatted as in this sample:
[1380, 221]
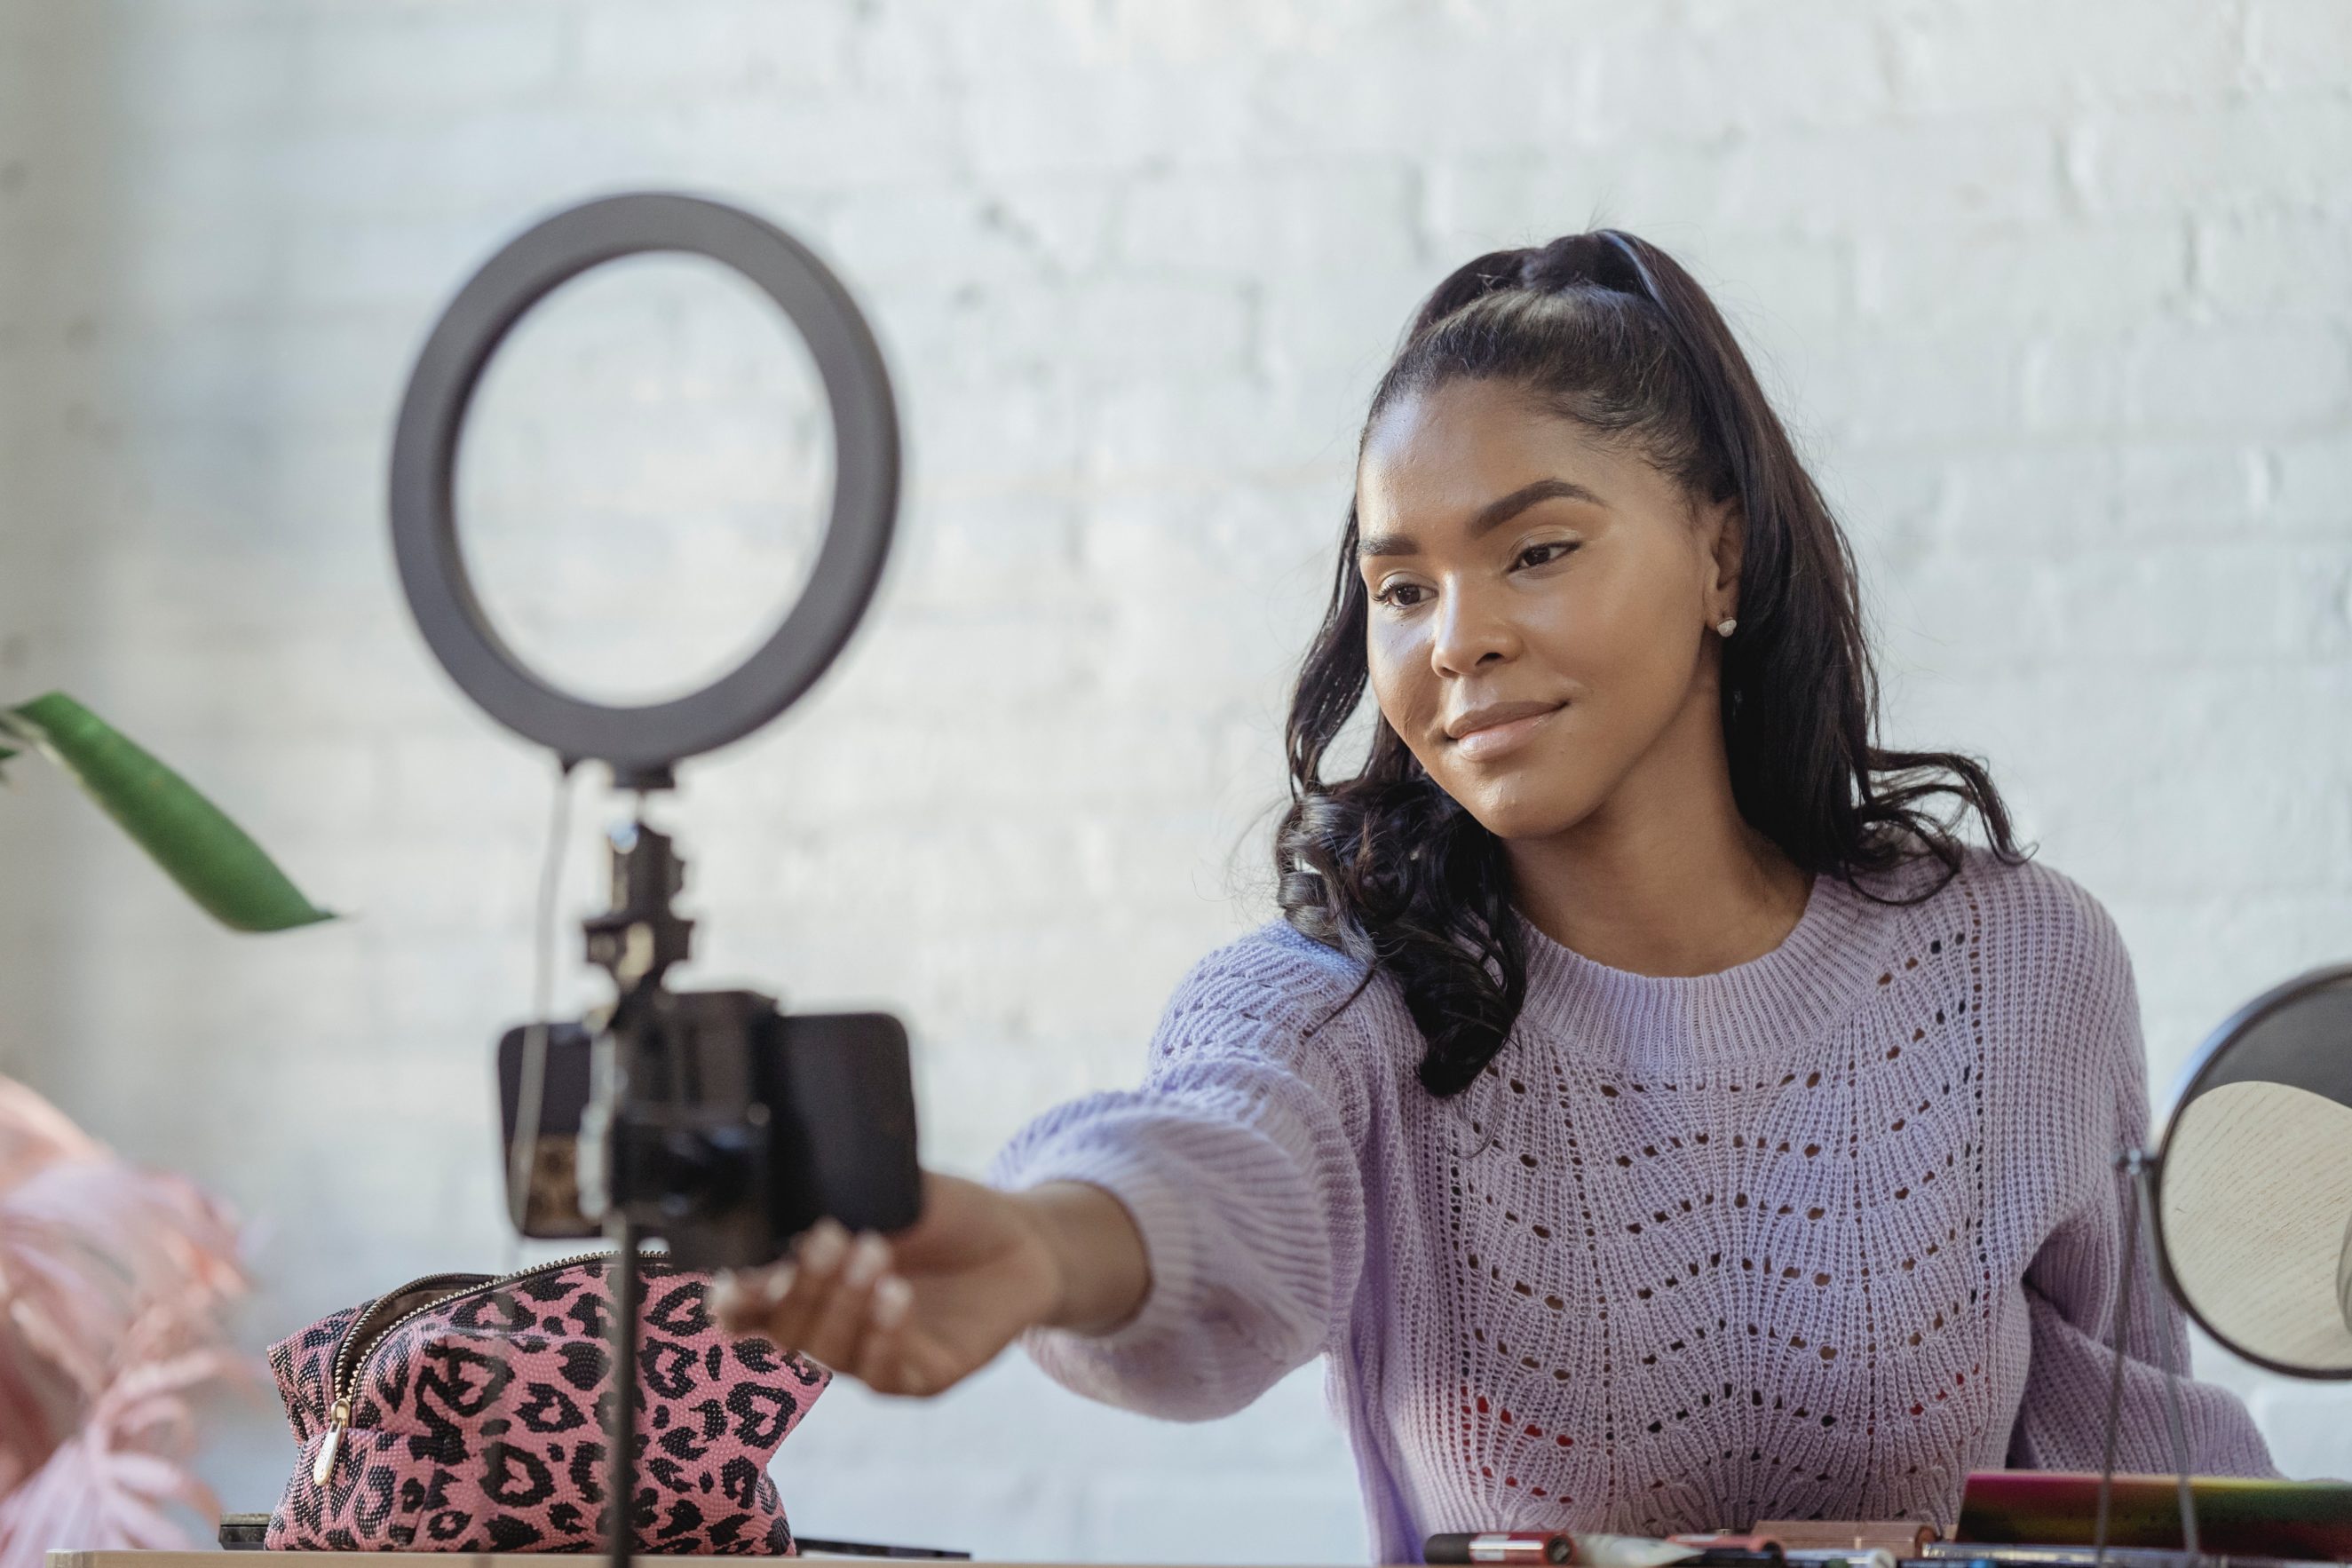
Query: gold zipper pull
[337, 1419]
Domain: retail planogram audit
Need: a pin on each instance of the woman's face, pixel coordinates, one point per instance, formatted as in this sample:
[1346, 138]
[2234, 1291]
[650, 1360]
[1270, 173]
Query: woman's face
[1542, 604]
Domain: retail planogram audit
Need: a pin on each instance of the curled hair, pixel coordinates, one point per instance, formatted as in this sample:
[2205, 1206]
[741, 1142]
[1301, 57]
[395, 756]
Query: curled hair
[1608, 330]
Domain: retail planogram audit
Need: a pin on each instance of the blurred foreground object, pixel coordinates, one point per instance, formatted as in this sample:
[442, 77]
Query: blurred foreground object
[111, 1282]
[2244, 1208]
[197, 847]
[2237, 1516]
[2254, 1184]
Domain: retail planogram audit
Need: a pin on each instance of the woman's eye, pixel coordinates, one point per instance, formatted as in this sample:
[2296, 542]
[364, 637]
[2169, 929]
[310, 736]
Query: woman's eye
[1396, 593]
[1546, 553]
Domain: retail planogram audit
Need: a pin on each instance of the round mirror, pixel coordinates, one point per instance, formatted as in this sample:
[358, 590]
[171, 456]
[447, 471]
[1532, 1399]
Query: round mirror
[2255, 1181]
[646, 477]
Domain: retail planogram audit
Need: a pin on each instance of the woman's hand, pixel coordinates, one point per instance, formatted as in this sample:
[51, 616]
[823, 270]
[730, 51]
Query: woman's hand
[920, 1311]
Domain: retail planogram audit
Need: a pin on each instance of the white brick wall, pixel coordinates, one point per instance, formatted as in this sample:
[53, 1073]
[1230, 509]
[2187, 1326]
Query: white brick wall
[2055, 297]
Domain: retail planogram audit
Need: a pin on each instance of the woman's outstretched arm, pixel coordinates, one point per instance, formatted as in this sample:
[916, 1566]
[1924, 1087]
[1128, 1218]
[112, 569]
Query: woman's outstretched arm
[1174, 1249]
[929, 1306]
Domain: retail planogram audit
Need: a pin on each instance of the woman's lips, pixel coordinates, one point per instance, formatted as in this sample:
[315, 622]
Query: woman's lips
[1495, 739]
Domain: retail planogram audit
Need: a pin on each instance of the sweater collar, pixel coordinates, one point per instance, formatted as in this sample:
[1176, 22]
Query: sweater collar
[1784, 998]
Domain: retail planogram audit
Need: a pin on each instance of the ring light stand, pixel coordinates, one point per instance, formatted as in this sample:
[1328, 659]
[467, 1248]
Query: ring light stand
[641, 936]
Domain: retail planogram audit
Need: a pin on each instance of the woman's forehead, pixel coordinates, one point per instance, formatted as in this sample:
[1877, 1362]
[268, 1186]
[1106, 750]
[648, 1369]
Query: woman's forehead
[1446, 454]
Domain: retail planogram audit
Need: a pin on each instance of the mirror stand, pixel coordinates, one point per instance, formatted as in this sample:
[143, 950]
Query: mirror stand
[2139, 1226]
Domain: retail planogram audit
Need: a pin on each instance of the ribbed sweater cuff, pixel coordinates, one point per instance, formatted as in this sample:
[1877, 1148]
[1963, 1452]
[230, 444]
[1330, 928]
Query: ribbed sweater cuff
[1167, 1224]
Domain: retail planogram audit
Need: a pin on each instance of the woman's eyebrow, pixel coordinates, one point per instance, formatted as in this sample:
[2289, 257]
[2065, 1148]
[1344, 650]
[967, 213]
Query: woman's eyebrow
[1492, 516]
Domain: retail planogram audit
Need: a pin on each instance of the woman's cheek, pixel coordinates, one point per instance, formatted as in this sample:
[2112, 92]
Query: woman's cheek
[1564, 630]
[1401, 682]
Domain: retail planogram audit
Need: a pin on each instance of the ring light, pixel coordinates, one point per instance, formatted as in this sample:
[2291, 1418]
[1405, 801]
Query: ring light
[641, 743]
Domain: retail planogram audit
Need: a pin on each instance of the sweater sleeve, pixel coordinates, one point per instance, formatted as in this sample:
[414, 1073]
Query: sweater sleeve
[1237, 1159]
[2074, 1284]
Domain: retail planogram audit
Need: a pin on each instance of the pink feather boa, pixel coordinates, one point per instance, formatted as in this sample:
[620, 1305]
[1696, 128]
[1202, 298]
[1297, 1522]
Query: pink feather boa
[111, 1282]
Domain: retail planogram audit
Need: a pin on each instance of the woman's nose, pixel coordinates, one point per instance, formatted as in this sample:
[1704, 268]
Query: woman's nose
[1473, 628]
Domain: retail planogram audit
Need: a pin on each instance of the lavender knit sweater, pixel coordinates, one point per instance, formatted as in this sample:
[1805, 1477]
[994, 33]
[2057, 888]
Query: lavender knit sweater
[1816, 1234]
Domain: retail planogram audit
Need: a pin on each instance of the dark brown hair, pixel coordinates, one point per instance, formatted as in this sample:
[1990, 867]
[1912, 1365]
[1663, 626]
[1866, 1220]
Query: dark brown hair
[1608, 331]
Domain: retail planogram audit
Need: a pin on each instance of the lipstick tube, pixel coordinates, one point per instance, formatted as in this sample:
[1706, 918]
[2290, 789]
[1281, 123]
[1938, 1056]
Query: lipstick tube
[1529, 1546]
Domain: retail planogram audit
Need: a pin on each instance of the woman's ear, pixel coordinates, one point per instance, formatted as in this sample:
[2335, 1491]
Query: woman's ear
[1724, 535]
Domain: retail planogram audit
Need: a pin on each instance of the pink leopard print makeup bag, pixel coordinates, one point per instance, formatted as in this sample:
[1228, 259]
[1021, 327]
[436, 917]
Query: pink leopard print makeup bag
[467, 1413]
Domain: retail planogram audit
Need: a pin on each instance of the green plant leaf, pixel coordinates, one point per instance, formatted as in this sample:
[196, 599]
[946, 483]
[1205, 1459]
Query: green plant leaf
[199, 847]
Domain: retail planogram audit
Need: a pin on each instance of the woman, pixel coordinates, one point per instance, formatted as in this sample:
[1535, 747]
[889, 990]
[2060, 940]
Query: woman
[1661, 1118]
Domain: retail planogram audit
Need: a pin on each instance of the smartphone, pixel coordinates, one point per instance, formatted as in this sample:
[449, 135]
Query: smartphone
[750, 1125]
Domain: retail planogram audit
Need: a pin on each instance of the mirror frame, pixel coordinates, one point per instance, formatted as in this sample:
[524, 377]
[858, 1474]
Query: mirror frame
[2193, 1083]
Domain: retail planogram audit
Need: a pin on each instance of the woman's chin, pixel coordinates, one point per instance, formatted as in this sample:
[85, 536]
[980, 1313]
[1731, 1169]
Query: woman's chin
[1514, 811]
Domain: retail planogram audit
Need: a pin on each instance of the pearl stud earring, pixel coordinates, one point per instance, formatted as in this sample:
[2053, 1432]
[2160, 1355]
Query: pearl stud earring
[1724, 627]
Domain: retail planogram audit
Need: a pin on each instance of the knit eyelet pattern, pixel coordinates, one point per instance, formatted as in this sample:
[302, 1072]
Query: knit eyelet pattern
[1726, 1278]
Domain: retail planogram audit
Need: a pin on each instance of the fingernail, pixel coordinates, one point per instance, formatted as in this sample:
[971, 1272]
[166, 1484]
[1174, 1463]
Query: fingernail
[866, 1260]
[778, 1283]
[821, 1250]
[892, 1297]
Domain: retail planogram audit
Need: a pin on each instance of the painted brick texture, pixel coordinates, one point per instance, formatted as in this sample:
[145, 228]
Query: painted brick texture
[2055, 298]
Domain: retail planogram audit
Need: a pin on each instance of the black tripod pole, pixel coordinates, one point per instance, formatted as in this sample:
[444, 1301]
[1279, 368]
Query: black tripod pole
[2129, 1163]
[620, 1468]
[2140, 1228]
[2144, 1203]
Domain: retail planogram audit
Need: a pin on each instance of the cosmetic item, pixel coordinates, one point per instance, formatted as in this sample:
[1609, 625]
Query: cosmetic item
[243, 1531]
[810, 1543]
[247, 1531]
[1501, 1546]
[1967, 1554]
[1599, 1549]
[1841, 1557]
[1732, 1548]
[465, 1413]
[1903, 1537]
[2237, 1515]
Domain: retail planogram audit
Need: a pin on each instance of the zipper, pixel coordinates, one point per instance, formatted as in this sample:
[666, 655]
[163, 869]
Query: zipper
[353, 1353]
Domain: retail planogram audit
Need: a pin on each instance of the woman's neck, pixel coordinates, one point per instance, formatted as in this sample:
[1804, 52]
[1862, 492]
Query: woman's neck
[1665, 878]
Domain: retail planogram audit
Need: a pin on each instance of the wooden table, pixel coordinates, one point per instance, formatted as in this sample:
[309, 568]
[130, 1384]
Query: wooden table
[212, 1559]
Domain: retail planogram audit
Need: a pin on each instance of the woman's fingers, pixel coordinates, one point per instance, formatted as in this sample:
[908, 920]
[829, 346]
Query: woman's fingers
[781, 1302]
[836, 1302]
[743, 1300]
[839, 1324]
[818, 1259]
[912, 1363]
[893, 1297]
[883, 1356]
